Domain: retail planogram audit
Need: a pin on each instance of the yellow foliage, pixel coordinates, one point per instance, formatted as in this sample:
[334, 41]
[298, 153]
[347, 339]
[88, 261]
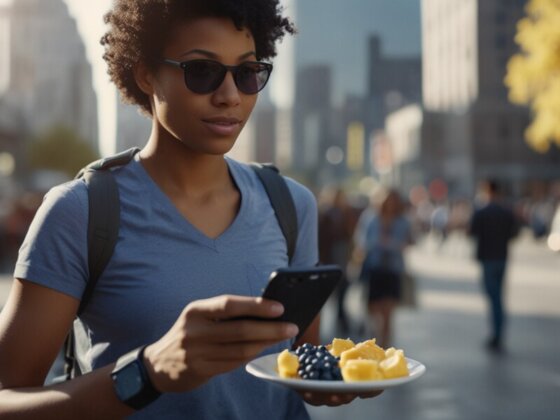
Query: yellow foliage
[533, 75]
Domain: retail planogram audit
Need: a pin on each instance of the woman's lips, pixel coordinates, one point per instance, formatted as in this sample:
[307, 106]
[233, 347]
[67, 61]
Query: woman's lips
[223, 126]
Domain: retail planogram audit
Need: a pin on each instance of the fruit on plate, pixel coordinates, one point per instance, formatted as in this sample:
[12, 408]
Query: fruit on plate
[316, 362]
[394, 366]
[288, 365]
[361, 370]
[339, 345]
[343, 360]
[364, 350]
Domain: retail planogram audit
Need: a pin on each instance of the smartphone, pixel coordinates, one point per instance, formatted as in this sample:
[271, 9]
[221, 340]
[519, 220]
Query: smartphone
[302, 291]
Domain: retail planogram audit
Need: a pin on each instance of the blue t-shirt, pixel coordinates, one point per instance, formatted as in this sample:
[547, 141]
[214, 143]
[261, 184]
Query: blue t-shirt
[389, 254]
[161, 263]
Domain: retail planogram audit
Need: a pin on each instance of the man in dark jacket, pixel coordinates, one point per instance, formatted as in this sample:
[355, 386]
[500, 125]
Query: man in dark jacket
[493, 226]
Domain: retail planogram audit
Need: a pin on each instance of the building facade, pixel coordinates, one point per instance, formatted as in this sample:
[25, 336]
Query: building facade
[50, 79]
[468, 123]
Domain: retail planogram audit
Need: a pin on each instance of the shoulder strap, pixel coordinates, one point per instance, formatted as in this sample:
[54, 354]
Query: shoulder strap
[282, 202]
[102, 234]
[104, 215]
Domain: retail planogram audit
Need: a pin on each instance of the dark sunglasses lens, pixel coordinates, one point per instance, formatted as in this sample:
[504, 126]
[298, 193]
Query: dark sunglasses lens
[252, 77]
[204, 76]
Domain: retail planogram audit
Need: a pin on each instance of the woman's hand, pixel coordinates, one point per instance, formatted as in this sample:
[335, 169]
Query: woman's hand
[208, 340]
[333, 399]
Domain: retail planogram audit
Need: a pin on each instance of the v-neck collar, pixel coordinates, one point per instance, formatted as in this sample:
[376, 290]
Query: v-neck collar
[160, 199]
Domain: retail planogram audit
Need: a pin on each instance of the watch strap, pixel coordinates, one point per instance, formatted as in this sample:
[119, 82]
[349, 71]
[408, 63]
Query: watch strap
[148, 393]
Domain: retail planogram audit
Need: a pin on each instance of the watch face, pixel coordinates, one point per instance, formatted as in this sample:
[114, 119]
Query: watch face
[128, 381]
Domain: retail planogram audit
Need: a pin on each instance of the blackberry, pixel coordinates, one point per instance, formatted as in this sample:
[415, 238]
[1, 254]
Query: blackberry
[315, 362]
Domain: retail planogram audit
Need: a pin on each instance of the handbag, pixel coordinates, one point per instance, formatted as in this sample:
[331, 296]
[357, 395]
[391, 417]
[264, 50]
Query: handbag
[408, 291]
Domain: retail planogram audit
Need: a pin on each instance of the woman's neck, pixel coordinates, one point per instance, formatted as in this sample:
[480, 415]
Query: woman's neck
[178, 170]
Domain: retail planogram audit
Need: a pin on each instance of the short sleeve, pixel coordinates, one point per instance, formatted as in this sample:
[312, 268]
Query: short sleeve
[54, 251]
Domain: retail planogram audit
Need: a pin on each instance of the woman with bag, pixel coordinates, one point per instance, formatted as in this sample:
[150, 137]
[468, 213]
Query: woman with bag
[384, 240]
[197, 239]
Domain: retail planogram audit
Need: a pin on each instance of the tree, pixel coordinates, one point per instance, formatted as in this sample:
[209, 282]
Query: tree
[60, 149]
[533, 75]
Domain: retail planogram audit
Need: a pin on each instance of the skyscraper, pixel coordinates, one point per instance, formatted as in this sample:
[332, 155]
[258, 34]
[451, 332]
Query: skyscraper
[50, 78]
[466, 47]
[312, 112]
[4, 48]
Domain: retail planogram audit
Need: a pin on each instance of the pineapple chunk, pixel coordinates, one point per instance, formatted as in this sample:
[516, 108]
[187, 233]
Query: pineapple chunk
[376, 352]
[361, 370]
[339, 345]
[390, 351]
[287, 364]
[364, 350]
[394, 366]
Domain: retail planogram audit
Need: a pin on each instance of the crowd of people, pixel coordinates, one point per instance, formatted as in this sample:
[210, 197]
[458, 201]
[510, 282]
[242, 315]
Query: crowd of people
[368, 241]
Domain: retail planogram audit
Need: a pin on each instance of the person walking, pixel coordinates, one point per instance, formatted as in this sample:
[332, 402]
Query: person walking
[171, 322]
[387, 234]
[336, 227]
[493, 225]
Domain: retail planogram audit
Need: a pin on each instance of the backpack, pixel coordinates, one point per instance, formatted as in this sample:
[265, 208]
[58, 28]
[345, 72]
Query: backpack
[104, 220]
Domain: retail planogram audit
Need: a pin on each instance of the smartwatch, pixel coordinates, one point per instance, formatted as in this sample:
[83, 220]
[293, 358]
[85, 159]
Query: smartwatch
[131, 381]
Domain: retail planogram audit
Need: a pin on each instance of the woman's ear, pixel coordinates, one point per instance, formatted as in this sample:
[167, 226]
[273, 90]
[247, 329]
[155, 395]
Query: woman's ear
[144, 78]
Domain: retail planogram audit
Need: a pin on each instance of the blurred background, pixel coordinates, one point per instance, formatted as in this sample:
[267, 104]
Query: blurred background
[425, 96]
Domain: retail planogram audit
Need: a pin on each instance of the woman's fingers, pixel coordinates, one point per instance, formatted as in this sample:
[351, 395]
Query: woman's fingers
[335, 399]
[230, 319]
[327, 398]
[227, 307]
[243, 331]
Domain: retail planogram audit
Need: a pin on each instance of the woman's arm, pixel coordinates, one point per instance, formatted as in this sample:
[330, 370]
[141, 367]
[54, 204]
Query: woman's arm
[33, 326]
[204, 341]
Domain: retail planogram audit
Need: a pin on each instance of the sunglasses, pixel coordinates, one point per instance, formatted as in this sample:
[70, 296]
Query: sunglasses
[205, 76]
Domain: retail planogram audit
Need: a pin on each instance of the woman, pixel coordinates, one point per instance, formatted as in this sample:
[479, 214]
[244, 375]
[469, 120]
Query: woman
[386, 236]
[197, 239]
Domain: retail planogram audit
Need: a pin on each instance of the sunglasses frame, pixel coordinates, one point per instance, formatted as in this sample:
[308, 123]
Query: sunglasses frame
[232, 69]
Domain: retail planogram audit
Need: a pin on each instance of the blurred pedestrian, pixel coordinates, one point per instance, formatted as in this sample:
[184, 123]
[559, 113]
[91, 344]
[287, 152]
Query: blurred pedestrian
[493, 225]
[386, 236]
[336, 226]
[439, 221]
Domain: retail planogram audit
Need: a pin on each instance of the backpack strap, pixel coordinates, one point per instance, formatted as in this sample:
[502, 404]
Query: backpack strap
[104, 215]
[102, 234]
[282, 202]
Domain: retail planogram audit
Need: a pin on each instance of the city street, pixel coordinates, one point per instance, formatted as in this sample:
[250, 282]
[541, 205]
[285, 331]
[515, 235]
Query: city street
[447, 330]
[446, 333]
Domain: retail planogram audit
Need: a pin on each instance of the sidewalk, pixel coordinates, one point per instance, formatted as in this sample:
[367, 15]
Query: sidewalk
[446, 332]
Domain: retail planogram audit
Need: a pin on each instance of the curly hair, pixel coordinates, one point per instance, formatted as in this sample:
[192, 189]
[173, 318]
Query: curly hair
[138, 31]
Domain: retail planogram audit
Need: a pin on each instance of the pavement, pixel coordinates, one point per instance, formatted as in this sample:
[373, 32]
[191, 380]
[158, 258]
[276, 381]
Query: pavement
[446, 332]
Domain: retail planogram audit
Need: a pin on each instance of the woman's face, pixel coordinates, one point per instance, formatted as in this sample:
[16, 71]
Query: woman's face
[204, 123]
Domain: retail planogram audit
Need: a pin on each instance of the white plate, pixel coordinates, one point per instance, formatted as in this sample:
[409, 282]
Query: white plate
[265, 368]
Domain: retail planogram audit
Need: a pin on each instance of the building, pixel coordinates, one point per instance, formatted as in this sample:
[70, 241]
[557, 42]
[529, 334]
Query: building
[471, 126]
[312, 120]
[4, 48]
[50, 79]
[392, 83]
